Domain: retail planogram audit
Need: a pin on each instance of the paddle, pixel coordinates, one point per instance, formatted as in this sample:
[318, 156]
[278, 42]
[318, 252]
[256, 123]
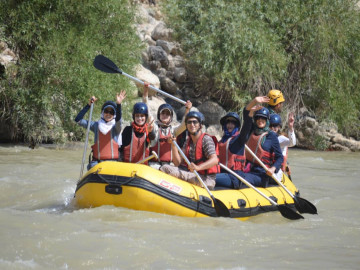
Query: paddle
[285, 211]
[86, 139]
[302, 205]
[154, 155]
[220, 208]
[106, 65]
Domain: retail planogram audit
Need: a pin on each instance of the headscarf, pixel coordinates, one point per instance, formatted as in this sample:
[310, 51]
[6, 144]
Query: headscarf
[228, 134]
[141, 129]
[259, 131]
[105, 127]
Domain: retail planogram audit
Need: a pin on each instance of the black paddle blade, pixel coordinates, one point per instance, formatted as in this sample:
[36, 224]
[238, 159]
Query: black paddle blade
[220, 208]
[304, 206]
[287, 212]
[106, 65]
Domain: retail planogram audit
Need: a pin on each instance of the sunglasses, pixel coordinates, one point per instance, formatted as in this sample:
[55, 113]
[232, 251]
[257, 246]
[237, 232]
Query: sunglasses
[232, 121]
[195, 122]
[109, 112]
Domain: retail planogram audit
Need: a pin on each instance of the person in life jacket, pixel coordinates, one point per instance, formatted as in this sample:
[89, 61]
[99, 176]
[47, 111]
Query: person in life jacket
[276, 101]
[107, 130]
[285, 142]
[232, 145]
[163, 129]
[265, 145]
[136, 137]
[230, 125]
[201, 150]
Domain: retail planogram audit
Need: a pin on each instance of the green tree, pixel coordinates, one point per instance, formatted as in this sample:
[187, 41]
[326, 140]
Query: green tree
[308, 49]
[57, 41]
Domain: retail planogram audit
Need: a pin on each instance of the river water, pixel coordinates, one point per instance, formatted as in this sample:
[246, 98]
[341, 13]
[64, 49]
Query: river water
[42, 229]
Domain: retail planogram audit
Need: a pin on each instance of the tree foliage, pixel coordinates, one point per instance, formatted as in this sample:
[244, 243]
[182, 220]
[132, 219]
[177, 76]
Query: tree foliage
[57, 41]
[308, 49]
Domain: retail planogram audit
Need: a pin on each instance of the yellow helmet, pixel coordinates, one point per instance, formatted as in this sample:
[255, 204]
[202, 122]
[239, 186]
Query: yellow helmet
[275, 97]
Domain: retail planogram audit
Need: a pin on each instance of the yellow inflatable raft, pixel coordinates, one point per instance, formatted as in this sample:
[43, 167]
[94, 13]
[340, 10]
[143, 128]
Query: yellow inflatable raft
[140, 187]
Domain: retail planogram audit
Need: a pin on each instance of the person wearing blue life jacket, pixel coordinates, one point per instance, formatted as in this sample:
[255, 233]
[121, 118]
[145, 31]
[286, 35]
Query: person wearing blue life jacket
[107, 130]
[232, 144]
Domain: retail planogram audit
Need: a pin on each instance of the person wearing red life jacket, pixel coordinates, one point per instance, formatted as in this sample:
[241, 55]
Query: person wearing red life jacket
[265, 145]
[136, 137]
[231, 127]
[107, 130]
[163, 129]
[201, 150]
[232, 144]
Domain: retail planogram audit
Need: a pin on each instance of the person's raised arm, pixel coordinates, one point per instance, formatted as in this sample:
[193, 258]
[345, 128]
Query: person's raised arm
[291, 132]
[181, 128]
[82, 113]
[237, 144]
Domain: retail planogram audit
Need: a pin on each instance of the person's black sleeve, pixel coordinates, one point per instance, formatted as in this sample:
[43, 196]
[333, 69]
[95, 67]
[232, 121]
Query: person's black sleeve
[237, 144]
[82, 113]
[118, 112]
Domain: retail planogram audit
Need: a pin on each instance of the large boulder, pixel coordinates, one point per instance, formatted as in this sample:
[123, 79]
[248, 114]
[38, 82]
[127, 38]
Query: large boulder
[157, 53]
[161, 32]
[168, 85]
[212, 112]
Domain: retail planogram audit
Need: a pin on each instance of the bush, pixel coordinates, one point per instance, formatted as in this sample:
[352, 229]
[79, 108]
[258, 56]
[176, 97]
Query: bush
[308, 49]
[57, 41]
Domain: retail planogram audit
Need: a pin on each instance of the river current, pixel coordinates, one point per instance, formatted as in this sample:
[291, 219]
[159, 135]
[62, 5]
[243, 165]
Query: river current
[40, 227]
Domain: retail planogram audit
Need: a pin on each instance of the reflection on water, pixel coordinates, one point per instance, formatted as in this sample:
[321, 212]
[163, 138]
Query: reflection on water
[42, 229]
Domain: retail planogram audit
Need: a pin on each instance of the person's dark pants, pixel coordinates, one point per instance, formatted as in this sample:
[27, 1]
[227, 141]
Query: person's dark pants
[227, 180]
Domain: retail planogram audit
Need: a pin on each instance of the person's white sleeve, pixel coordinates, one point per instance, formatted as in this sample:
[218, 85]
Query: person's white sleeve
[292, 138]
[283, 141]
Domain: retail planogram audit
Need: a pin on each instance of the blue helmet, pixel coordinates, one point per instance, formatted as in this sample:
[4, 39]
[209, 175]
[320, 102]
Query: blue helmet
[165, 106]
[230, 115]
[108, 104]
[263, 112]
[275, 120]
[142, 108]
[198, 115]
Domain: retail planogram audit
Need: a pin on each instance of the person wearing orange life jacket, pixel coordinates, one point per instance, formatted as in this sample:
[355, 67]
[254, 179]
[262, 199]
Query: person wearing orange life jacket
[285, 142]
[136, 137]
[232, 149]
[201, 150]
[230, 124]
[164, 128]
[107, 130]
[265, 144]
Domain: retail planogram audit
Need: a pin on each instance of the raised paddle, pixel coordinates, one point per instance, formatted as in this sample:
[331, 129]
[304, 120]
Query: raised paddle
[285, 211]
[302, 205]
[154, 155]
[86, 139]
[220, 208]
[106, 65]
